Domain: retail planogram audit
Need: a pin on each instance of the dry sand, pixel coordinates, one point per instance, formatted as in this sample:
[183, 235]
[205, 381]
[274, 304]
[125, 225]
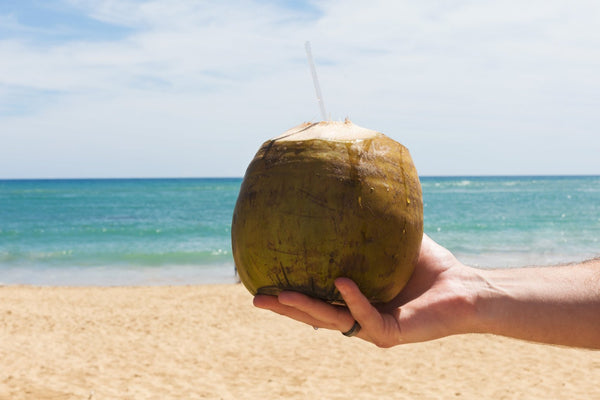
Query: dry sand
[209, 342]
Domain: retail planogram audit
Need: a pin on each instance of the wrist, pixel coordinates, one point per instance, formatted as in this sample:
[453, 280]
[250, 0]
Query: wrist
[469, 291]
[495, 301]
[480, 293]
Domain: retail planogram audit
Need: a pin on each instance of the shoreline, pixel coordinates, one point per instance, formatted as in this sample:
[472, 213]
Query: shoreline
[208, 341]
[182, 275]
[117, 276]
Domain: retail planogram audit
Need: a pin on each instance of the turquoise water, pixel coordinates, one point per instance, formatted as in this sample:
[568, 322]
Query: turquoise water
[130, 231]
[514, 221]
[177, 231]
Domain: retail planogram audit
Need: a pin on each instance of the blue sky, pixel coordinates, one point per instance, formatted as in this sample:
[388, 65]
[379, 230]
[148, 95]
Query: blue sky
[101, 88]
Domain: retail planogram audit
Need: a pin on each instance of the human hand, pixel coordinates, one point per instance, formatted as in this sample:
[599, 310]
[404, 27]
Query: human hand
[437, 301]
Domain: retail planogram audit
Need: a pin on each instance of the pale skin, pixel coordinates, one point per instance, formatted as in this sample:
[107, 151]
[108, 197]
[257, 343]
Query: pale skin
[555, 305]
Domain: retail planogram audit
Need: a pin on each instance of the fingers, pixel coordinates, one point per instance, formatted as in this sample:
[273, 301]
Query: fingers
[305, 309]
[329, 316]
[381, 329]
[360, 307]
[272, 303]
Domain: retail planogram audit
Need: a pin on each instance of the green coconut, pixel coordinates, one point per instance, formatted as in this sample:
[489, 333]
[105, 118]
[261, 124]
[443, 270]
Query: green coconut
[327, 200]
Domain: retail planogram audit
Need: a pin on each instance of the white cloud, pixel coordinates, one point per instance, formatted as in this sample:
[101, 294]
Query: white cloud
[194, 88]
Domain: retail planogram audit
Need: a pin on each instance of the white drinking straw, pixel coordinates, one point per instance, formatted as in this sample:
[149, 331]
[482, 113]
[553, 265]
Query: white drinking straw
[313, 71]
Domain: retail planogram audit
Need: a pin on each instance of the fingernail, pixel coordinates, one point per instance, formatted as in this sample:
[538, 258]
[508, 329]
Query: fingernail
[284, 298]
[340, 286]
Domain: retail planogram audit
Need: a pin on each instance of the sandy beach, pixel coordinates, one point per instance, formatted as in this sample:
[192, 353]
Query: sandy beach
[209, 342]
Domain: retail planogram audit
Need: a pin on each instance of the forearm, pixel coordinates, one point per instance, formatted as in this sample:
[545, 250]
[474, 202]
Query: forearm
[558, 305]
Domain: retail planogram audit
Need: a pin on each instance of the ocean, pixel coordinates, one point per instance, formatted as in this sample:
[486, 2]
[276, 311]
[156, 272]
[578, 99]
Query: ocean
[177, 231]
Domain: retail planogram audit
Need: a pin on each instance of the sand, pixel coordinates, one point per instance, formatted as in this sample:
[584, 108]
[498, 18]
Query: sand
[197, 342]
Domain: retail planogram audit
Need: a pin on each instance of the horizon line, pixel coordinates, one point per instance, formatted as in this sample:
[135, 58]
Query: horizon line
[241, 177]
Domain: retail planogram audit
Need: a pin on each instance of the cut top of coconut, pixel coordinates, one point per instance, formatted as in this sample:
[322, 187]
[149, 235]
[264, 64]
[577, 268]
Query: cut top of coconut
[328, 130]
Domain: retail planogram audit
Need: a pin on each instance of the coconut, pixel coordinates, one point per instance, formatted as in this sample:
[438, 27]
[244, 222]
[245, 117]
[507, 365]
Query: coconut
[327, 200]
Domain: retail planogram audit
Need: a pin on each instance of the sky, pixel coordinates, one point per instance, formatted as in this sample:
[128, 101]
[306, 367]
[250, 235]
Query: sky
[181, 88]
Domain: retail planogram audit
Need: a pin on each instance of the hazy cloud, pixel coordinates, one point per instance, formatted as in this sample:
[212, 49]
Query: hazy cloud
[179, 88]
